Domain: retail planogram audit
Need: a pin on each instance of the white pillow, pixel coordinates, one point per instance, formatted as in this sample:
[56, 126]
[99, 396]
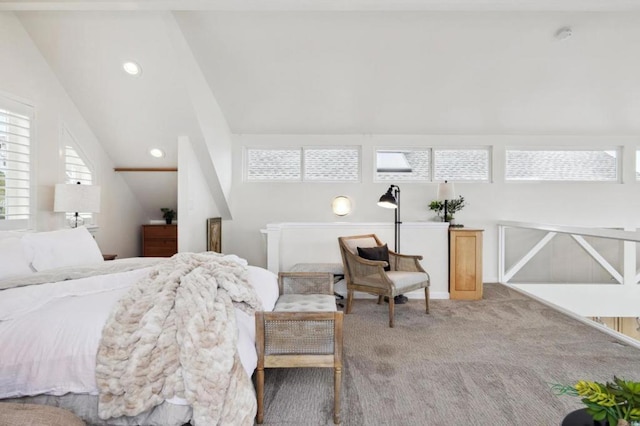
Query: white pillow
[66, 247]
[10, 234]
[13, 258]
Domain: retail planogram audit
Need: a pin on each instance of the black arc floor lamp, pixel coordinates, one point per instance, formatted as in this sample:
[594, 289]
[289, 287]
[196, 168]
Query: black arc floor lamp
[391, 200]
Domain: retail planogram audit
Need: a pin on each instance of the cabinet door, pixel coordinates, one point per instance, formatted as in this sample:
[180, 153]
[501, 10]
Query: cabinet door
[465, 272]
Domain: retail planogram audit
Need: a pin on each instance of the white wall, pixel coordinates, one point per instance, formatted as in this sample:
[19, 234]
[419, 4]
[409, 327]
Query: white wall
[195, 202]
[27, 77]
[581, 204]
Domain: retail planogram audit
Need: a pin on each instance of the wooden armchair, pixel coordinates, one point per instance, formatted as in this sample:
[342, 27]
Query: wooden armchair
[405, 273]
[304, 330]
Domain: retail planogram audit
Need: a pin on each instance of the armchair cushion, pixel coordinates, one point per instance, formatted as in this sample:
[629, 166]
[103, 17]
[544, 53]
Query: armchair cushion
[375, 253]
[403, 280]
[306, 303]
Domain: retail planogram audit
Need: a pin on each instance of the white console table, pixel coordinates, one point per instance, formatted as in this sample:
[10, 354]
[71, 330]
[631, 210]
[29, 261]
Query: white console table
[317, 242]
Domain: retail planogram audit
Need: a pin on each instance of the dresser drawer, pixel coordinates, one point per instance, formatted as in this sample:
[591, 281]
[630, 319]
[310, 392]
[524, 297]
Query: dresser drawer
[159, 240]
[159, 252]
[160, 231]
[160, 243]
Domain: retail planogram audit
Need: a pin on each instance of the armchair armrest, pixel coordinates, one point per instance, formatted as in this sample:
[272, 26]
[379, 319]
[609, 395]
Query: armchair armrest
[365, 267]
[405, 262]
[408, 256]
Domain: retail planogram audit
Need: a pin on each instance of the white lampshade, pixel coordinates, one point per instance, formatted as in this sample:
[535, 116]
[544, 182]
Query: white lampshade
[71, 198]
[446, 191]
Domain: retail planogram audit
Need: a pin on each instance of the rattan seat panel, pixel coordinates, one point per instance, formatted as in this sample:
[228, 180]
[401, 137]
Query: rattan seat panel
[299, 337]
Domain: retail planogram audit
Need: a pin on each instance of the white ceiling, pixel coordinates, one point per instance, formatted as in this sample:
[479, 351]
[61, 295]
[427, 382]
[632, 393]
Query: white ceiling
[358, 67]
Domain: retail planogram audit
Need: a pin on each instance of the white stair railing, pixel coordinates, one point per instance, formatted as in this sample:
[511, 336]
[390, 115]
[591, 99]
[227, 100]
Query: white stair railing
[630, 275]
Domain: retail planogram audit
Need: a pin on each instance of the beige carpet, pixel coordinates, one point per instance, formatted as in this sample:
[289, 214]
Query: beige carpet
[488, 362]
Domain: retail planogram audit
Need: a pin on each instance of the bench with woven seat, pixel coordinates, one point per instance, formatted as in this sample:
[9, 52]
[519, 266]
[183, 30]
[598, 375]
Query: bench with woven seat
[304, 330]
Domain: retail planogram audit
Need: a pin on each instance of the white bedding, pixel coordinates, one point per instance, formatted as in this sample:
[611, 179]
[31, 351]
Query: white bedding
[49, 333]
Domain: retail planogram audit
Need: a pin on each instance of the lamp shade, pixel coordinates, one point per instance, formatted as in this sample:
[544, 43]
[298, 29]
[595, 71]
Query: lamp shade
[76, 198]
[388, 200]
[446, 191]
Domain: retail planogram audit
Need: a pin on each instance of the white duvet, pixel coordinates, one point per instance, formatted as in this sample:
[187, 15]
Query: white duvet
[49, 333]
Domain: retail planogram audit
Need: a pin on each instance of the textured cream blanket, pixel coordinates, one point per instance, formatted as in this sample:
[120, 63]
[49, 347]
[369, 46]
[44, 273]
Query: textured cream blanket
[174, 334]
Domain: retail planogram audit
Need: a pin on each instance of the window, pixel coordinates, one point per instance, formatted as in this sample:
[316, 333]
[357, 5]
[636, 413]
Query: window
[432, 164]
[562, 165]
[303, 164]
[403, 165]
[76, 170]
[15, 164]
[273, 164]
[461, 164]
[332, 164]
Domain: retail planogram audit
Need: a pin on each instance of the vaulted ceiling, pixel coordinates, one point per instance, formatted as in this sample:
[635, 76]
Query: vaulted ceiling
[338, 67]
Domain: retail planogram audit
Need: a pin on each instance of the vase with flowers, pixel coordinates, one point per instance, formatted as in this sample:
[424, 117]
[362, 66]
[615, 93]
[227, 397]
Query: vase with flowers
[616, 402]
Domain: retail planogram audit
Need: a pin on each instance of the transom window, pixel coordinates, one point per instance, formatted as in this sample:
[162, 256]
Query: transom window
[15, 164]
[562, 165]
[429, 164]
[303, 164]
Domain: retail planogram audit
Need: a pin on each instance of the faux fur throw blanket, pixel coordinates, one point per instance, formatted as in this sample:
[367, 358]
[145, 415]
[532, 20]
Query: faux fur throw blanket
[174, 334]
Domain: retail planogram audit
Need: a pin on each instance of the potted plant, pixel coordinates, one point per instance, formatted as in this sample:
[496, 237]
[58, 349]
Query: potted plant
[453, 206]
[617, 402]
[168, 214]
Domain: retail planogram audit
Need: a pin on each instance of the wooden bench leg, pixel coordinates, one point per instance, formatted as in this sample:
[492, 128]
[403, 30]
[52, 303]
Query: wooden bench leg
[391, 310]
[337, 382]
[260, 394]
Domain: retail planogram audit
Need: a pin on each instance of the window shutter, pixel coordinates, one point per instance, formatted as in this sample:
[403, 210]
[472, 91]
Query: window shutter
[15, 164]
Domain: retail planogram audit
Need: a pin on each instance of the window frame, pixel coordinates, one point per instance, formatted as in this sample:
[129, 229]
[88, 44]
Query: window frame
[301, 152]
[68, 139]
[619, 149]
[432, 166]
[24, 109]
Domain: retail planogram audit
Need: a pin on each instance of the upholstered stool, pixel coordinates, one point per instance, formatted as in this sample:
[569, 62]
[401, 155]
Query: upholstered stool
[304, 330]
[12, 414]
[305, 303]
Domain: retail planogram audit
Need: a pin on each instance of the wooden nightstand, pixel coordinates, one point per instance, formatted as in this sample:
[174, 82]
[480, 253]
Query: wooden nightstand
[159, 240]
[109, 256]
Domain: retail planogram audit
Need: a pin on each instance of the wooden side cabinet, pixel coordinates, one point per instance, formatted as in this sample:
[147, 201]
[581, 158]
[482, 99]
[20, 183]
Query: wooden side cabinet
[465, 263]
[159, 240]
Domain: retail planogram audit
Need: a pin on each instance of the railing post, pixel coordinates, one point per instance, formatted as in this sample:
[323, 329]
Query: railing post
[629, 261]
[501, 253]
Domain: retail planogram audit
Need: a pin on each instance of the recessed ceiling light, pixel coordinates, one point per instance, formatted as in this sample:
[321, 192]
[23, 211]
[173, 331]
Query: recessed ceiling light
[156, 152]
[132, 68]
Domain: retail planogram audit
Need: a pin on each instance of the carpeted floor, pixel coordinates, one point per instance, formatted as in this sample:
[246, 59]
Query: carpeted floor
[488, 362]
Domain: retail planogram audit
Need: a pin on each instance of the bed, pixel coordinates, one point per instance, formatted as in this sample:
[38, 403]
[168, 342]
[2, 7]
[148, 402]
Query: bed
[62, 330]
